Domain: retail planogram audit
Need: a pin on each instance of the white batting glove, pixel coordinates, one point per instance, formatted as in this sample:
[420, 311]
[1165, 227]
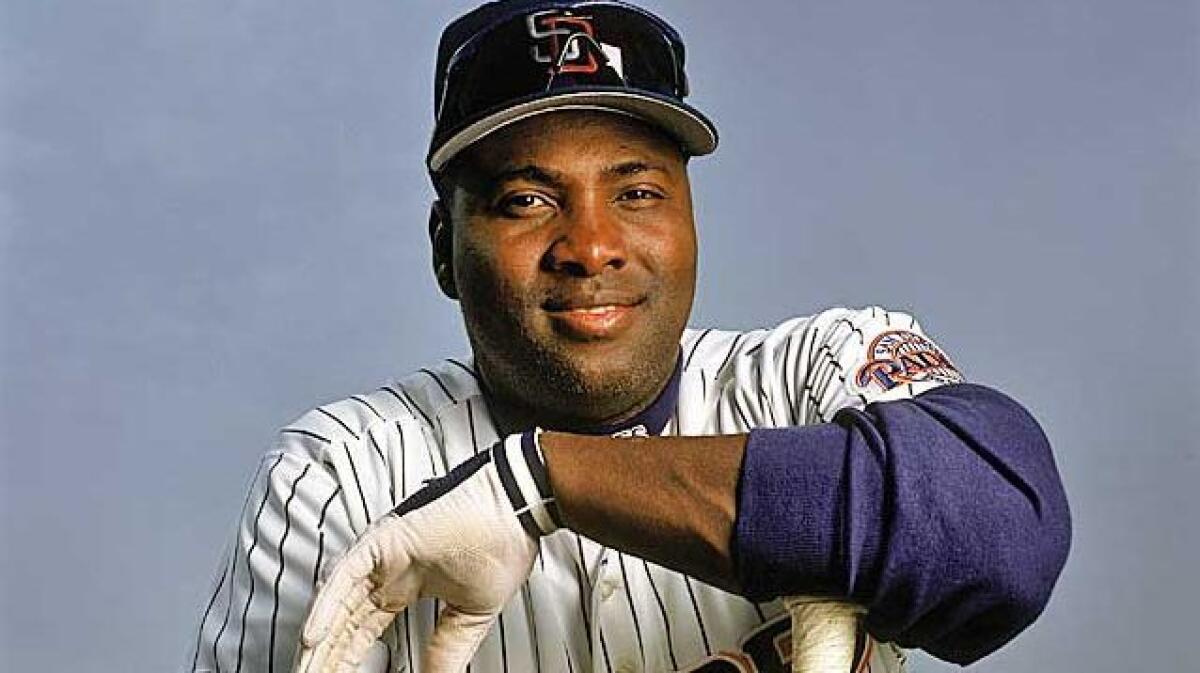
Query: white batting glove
[469, 538]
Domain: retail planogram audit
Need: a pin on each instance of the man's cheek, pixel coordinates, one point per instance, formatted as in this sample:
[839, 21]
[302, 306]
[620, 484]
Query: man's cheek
[477, 274]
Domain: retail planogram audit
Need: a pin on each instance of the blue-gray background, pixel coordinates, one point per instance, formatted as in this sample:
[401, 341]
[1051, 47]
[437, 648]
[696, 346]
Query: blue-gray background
[212, 218]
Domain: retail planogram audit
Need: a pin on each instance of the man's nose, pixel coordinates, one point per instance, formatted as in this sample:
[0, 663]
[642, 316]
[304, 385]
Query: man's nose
[591, 242]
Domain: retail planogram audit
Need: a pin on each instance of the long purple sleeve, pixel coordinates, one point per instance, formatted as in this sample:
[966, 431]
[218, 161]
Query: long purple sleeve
[943, 514]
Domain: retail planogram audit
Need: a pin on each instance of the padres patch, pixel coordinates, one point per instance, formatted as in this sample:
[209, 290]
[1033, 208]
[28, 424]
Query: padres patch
[900, 357]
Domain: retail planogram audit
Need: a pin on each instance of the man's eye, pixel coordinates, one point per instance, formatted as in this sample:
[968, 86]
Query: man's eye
[521, 203]
[639, 195]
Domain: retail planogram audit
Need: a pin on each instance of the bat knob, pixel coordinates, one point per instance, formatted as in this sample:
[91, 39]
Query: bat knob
[824, 634]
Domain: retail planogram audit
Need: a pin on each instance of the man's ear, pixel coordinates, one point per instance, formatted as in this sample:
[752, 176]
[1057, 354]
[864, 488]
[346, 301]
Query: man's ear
[441, 239]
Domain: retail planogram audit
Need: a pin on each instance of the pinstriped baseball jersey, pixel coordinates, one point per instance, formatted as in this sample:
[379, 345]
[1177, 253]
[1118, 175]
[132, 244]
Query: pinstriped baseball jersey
[584, 607]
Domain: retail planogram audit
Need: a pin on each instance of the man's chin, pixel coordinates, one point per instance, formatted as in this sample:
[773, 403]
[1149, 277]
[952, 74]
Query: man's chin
[599, 389]
[594, 378]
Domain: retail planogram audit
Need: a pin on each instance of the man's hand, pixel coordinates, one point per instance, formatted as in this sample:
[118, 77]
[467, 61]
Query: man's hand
[459, 539]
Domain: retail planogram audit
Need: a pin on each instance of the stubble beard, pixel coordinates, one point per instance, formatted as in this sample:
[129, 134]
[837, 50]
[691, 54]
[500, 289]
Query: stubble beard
[538, 384]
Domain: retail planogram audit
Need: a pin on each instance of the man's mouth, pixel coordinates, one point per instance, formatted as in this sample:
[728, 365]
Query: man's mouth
[600, 316]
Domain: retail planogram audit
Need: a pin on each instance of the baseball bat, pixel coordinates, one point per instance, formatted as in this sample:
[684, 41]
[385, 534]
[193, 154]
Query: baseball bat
[824, 634]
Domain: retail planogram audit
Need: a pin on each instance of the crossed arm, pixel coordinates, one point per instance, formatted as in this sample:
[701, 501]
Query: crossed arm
[942, 514]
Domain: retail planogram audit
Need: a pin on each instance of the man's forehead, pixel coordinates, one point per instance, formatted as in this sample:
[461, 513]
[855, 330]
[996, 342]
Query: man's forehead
[614, 143]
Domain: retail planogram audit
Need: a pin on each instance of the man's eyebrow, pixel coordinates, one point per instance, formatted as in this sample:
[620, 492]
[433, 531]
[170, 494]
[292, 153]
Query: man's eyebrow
[529, 172]
[551, 178]
[628, 168]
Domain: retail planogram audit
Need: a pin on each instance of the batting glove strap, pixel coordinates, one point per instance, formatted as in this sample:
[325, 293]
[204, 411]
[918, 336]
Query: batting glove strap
[522, 471]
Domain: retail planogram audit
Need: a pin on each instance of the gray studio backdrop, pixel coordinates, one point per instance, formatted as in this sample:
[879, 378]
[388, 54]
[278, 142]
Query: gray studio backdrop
[212, 217]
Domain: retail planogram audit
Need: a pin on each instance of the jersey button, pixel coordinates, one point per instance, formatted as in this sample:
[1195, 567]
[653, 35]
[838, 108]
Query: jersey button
[608, 588]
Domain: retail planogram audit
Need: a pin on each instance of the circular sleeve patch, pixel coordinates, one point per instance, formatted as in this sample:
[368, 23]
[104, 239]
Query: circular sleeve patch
[901, 357]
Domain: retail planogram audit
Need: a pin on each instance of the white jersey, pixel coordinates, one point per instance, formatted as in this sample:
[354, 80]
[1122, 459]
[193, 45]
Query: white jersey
[584, 607]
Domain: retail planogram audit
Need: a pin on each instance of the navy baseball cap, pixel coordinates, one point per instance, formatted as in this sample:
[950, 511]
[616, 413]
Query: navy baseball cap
[513, 59]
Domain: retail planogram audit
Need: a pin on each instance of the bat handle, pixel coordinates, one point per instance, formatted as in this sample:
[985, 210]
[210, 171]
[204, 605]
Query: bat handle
[824, 634]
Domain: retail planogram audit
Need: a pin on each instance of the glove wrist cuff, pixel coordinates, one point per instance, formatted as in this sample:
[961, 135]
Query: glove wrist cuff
[523, 473]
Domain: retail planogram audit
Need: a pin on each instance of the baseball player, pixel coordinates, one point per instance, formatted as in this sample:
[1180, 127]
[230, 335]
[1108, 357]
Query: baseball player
[598, 488]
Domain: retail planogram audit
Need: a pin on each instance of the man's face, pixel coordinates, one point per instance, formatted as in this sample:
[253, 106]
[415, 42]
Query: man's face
[574, 259]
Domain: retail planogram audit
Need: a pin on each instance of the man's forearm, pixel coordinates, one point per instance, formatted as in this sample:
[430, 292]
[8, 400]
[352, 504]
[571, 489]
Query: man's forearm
[671, 500]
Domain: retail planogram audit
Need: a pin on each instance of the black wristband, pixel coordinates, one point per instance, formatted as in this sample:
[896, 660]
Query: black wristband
[522, 470]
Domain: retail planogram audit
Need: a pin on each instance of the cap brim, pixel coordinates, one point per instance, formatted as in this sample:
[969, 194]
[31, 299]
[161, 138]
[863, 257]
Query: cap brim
[693, 130]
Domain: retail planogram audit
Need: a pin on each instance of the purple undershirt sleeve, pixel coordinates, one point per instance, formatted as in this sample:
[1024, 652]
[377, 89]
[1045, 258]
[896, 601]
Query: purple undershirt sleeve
[943, 514]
